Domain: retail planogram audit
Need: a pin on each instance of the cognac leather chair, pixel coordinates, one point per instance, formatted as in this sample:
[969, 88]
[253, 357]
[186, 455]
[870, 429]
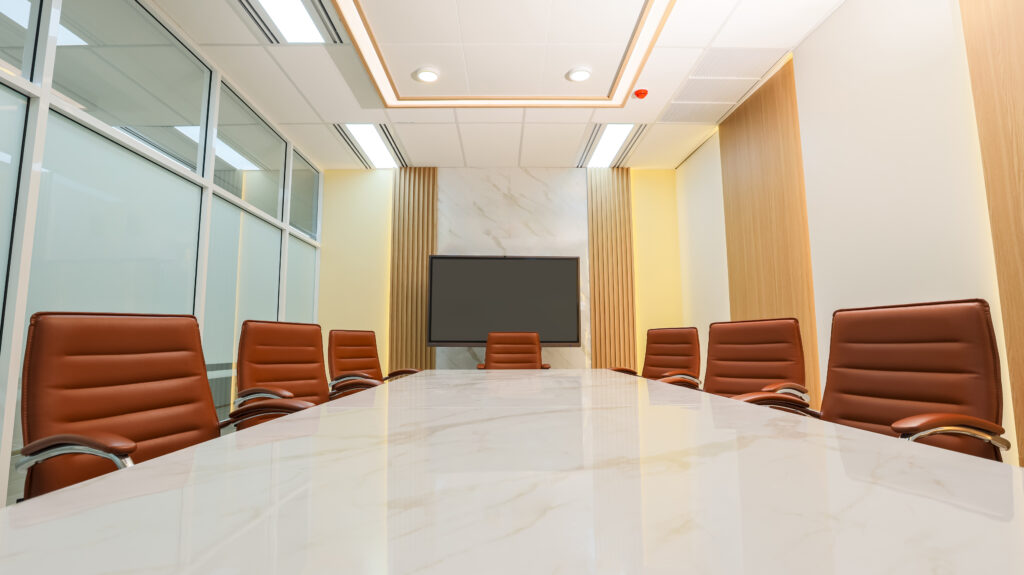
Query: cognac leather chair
[513, 350]
[104, 391]
[749, 356]
[352, 354]
[671, 352]
[286, 360]
[923, 372]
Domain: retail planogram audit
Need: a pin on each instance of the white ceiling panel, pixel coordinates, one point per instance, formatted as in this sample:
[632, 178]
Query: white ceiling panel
[404, 59]
[552, 145]
[558, 115]
[431, 144]
[694, 23]
[737, 62]
[503, 22]
[489, 115]
[413, 21]
[211, 21]
[714, 89]
[253, 71]
[422, 116]
[773, 23]
[322, 145]
[665, 70]
[695, 113]
[664, 146]
[314, 72]
[581, 21]
[498, 70]
[491, 145]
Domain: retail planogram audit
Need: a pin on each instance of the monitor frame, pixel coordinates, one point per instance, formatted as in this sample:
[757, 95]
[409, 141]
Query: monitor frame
[446, 343]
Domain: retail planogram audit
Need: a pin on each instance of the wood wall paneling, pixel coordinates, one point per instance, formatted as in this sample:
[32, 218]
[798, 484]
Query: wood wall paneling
[769, 257]
[612, 310]
[413, 240]
[995, 56]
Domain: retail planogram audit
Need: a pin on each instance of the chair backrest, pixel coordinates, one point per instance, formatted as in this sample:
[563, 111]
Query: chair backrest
[513, 350]
[353, 350]
[887, 363]
[139, 376]
[672, 349]
[285, 355]
[745, 356]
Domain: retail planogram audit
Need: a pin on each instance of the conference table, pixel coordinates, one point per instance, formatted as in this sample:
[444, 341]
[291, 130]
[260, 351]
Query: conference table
[553, 471]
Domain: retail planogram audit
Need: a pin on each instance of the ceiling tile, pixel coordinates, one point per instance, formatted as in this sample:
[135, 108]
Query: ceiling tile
[552, 145]
[665, 70]
[505, 69]
[694, 23]
[602, 60]
[489, 115]
[504, 22]
[696, 113]
[404, 59]
[714, 89]
[253, 72]
[664, 146]
[773, 23]
[491, 145]
[322, 145]
[581, 21]
[737, 62]
[422, 115]
[559, 115]
[413, 21]
[211, 21]
[316, 75]
[431, 144]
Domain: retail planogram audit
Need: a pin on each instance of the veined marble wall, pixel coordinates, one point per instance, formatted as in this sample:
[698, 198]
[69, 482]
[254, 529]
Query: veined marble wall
[516, 212]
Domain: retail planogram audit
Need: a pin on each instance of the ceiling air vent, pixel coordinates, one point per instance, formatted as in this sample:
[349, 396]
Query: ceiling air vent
[627, 148]
[589, 147]
[353, 146]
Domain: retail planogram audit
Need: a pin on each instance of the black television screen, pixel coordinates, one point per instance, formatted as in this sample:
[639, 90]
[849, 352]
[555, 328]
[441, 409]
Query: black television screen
[471, 296]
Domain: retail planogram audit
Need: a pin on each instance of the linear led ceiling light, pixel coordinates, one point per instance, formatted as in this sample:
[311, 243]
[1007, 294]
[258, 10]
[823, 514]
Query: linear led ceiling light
[608, 146]
[293, 20]
[373, 145]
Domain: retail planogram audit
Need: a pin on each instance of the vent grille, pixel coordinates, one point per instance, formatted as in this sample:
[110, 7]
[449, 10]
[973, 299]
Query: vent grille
[353, 146]
[589, 147]
[393, 144]
[629, 146]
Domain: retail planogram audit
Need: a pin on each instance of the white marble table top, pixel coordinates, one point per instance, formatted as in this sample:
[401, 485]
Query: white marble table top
[533, 472]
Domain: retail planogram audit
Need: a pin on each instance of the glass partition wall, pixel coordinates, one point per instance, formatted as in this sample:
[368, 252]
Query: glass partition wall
[134, 179]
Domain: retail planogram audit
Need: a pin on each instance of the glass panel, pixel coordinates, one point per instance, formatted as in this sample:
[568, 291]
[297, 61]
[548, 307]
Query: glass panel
[250, 156]
[15, 39]
[13, 109]
[120, 65]
[301, 276]
[105, 243]
[242, 283]
[305, 192]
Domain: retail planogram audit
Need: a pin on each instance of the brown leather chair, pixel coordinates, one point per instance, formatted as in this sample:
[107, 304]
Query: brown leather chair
[923, 372]
[513, 350]
[749, 356]
[671, 352]
[103, 391]
[284, 360]
[352, 354]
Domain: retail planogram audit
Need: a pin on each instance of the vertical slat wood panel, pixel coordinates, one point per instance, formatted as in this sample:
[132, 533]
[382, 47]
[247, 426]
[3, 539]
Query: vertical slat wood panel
[413, 240]
[612, 313]
[766, 214]
[995, 56]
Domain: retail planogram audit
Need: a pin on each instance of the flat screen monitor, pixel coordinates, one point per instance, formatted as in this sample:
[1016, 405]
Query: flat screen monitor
[471, 296]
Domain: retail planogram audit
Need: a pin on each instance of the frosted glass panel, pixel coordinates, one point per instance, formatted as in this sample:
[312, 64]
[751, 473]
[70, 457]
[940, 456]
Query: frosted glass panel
[305, 190]
[16, 17]
[13, 109]
[299, 292]
[250, 155]
[120, 65]
[242, 283]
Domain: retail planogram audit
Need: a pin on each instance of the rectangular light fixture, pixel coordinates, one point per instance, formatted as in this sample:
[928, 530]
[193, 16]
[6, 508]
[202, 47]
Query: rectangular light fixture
[608, 146]
[224, 152]
[373, 145]
[293, 20]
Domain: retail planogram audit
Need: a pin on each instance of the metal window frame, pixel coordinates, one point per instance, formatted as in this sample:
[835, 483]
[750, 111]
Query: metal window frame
[36, 85]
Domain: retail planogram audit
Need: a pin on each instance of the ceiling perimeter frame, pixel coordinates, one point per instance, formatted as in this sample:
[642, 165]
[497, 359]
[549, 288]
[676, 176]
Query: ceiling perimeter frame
[652, 19]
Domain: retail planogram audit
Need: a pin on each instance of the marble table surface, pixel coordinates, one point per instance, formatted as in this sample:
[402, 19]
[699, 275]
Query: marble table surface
[533, 472]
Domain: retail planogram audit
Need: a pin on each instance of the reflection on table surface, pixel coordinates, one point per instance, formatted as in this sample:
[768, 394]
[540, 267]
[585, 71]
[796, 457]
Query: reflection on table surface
[572, 471]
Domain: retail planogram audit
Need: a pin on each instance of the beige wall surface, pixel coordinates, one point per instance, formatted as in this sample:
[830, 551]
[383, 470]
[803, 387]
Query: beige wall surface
[355, 253]
[657, 276]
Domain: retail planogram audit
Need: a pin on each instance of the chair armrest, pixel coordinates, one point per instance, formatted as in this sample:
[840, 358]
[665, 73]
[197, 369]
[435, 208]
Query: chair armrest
[681, 380]
[112, 446]
[927, 424]
[345, 386]
[401, 372]
[782, 401]
[265, 407]
[624, 370]
[348, 375]
[545, 366]
[268, 392]
[789, 388]
[480, 366]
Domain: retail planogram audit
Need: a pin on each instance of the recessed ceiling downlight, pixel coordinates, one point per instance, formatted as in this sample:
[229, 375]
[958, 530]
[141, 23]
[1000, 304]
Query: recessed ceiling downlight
[428, 75]
[578, 75]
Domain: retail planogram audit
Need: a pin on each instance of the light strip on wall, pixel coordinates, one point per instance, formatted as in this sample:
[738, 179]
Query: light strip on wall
[293, 20]
[608, 146]
[373, 145]
[224, 152]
